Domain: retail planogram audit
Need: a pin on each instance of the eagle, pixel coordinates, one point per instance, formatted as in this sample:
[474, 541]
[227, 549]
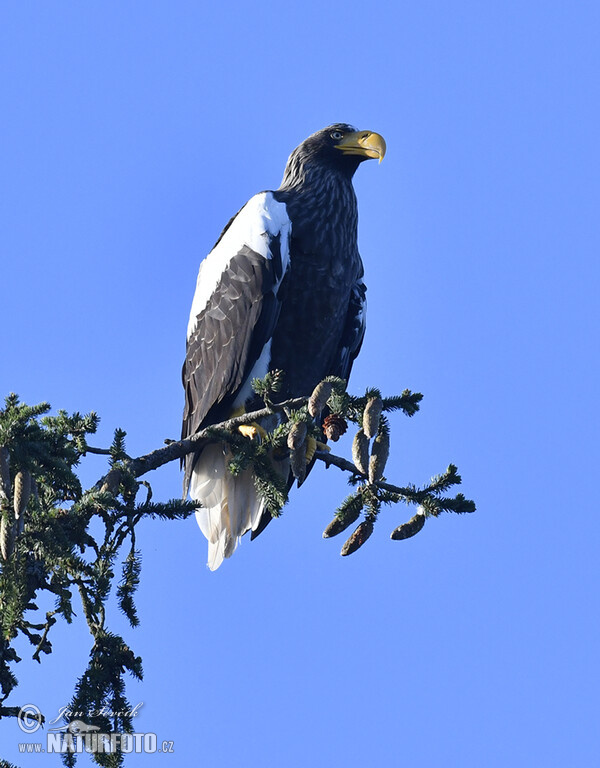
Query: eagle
[282, 289]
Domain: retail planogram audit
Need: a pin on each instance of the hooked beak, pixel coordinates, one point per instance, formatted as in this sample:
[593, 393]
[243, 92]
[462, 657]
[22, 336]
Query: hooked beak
[364, 143]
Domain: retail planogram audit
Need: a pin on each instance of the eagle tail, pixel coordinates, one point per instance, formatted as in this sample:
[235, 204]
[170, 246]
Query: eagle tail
[229, 507]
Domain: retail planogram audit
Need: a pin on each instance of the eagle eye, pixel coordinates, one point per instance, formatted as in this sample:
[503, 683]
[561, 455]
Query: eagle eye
[337, 135]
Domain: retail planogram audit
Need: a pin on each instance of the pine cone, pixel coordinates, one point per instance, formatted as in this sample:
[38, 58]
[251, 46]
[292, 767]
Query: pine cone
[371, 416]
[360, 452]
[379, 456]
[318, 399]
[22, 492]
[7, 537]
[334, 427]
[111, 482]
[296, 435]
[412, 527]
[358, 538]
[341, 522]
[4, 472]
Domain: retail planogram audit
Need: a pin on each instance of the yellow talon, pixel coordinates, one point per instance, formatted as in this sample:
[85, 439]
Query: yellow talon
[253, 431]
[311, 447]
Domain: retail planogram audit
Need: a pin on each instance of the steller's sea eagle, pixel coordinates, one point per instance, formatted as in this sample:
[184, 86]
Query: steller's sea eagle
[282, 289]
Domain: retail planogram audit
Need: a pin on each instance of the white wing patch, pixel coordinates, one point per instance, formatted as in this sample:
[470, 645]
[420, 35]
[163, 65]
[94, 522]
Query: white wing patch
[230, 506]
[259, 371]
[259, 220]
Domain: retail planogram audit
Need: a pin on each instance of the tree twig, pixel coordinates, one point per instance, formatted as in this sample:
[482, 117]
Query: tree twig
[50, 621]
[99, 451]
[330, 459]
[180, 448]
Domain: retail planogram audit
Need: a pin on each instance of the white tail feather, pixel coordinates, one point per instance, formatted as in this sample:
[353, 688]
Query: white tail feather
[230, 505]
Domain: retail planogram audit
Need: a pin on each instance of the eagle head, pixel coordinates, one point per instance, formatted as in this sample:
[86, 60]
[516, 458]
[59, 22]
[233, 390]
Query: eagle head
[339, 148]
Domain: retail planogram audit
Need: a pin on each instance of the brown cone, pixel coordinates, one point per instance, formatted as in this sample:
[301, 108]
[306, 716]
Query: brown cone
[409, 529]
[334, 427]
[358, 538]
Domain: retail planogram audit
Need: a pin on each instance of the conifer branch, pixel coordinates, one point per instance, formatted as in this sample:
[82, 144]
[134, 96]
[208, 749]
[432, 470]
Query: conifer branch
[46, 543]
[179, 448]
[98, 451]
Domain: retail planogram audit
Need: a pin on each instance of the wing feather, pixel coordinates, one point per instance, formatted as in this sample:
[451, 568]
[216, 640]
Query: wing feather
[354, 330]
[234, 312]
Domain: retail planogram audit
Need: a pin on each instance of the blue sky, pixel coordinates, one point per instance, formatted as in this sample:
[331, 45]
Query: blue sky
[131, 132]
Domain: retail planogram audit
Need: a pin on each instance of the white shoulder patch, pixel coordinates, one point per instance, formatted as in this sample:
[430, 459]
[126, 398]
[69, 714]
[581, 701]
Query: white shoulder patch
[260, 219]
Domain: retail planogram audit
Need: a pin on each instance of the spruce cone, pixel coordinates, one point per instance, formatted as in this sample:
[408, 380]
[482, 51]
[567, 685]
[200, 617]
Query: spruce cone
[318, 399]
[22, 492]
[358, 538]
[372, 415]
[360, 452]
[334, 426]
[412, 527]
[4, 472]
[341, 522]
[111, 483]
[296, 435]
[379, 456]
[7, 537]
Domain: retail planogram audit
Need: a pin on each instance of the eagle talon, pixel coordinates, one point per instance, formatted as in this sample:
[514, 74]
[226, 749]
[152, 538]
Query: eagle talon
[253, 431]
[311, 447]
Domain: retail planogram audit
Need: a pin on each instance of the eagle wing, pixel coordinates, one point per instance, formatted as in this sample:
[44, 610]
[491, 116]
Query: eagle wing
[234, 313]
[354, 330]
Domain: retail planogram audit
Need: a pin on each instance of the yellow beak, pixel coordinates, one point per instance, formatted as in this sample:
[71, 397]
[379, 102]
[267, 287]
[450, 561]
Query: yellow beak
[365, 143]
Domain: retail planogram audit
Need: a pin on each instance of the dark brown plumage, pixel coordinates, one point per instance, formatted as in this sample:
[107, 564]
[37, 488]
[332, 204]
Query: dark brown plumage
[282, 289]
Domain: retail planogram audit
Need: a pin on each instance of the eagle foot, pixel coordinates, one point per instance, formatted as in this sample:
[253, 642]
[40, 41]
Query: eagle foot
[253, 431]
[313, 445]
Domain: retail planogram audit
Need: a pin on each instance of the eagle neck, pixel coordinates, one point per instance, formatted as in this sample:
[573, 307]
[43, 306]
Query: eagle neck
[322, 208]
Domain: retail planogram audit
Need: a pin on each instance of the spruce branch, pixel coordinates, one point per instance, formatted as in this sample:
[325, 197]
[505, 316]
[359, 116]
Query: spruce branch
[46, 539]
